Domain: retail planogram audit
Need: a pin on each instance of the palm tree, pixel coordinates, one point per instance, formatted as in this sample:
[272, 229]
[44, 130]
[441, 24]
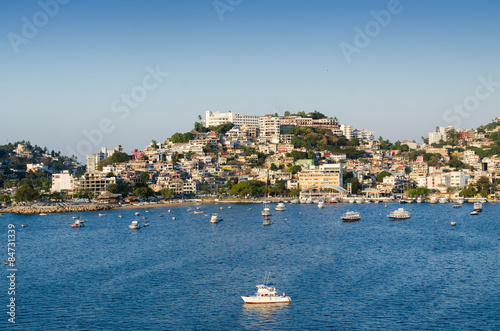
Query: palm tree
[120, 148]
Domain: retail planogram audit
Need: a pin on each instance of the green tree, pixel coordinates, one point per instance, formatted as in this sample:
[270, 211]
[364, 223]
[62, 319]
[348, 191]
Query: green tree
[144, 177]
[166, 193]
[26, 193]
[143, 192]
[294, 169]
[250, 187]
[381, 175]
[273, 167]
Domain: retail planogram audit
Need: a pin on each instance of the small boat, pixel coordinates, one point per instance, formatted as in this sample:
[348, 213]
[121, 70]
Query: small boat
[266, 211]
[460, 200]
[135, 225]
[321, 204]
[120, 216]
[168, 211]
[101, 215]
[266, 221]
[43, 214]
[478, 206]
[144, 217]
[215, 219]
[77, 224]
[266, 293]
[457, 206]
[474, 212]
[350, 216]
[146, 223]
[352, 200]
[136, 213]
[399, 214]
[419, 200]
[24, 225]
[160, 215]
[443, 200]
[294, 201]
[280, 207]
[147, 211]
[198, 212]
[228, 207]
[433, 200]
[453, 223]
[74, 217]
[173, 218]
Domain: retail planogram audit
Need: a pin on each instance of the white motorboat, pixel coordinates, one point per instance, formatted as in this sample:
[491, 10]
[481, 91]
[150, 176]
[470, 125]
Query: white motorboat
[399, 214]
[457, 206]
[266, 211]
[474, 212]
[280, 207]
[266, 221]
[294, 201]
[215, 219]
[433, 200]
[266, 293]
[321, 204]
[419, 200]
[351, 216]
[360, 200]
[352, 200]
[136, 213]
[443, 200]
[135, 225]
[460, 200]
[478, 206]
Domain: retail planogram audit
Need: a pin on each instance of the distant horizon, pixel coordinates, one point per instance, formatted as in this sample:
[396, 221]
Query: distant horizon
[81, 75]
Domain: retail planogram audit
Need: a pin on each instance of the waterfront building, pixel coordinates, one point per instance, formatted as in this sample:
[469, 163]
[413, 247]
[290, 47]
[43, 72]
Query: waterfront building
[95, 182]
[63, 182]
[325, 174]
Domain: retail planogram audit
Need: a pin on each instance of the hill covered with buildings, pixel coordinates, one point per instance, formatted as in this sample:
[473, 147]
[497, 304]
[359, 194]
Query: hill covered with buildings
[231, 153]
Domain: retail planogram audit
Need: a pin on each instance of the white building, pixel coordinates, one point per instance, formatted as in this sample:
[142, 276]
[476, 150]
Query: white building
[457, 179]
[346, 131]
[63, 182]
[238, 119]
[94, 158]
[269, 126]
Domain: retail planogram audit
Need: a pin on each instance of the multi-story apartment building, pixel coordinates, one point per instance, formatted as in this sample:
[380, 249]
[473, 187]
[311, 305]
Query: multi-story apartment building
[94, 182]
[269, 126]
[238, 119]
[63, 182]
[326, 174]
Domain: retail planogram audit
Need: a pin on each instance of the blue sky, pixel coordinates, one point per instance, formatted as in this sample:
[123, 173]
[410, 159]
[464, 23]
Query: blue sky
[68, 78]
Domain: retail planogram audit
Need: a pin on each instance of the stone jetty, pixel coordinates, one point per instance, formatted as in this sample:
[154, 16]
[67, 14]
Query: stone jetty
[33, 209]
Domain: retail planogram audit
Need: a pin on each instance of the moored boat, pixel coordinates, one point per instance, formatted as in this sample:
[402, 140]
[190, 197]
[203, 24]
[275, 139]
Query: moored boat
[399, 214]
[321, 204]
[478, 206]
[135, 225]
[215, 219]
[280, 207]
[77, 224]
[351, 216]
[266, 221]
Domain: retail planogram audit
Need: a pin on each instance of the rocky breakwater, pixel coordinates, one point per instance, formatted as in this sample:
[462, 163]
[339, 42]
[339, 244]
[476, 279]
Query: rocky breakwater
[33, 209]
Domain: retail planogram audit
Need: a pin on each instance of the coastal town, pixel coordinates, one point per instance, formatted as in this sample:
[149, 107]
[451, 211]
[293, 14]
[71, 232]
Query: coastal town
[230, 155]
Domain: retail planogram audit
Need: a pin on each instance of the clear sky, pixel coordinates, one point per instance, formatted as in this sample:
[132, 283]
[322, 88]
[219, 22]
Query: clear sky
[127, 72]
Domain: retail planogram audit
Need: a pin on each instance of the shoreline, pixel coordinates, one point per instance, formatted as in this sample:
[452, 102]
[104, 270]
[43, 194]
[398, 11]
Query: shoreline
[89, 207]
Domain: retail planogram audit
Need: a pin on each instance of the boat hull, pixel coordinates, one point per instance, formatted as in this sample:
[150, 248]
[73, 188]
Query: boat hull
[263, 300]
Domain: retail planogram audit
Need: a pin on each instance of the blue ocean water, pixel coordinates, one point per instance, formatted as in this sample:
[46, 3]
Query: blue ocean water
[188, 274]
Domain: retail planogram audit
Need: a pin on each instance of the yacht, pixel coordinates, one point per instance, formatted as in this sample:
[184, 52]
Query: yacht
[215, 219]
[266, 211]
[266, 293]
[351, 216]
[280, 207]
[399, 214]
[135, 225]
[443, 200]
[294, 201]
[321, 204]
[360, 200]
[351, 200]
[433, 200]
[460, 200]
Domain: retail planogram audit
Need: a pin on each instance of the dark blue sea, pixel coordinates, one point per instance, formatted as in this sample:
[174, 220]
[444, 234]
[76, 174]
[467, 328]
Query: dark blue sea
[188, 274]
